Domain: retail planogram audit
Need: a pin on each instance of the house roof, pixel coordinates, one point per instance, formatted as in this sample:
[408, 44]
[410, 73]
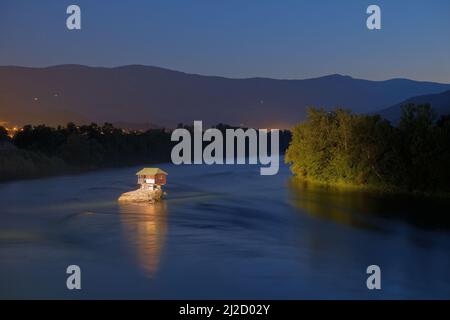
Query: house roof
[151, 172]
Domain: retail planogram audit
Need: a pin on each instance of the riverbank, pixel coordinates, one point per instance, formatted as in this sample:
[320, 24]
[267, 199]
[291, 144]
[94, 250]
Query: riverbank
[381, 190]
[20, 164]
[40, 151]
[16, 164]
[367, 152]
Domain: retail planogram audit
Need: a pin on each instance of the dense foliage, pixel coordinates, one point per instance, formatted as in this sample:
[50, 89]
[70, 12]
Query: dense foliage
[339, 147]
[42, 150]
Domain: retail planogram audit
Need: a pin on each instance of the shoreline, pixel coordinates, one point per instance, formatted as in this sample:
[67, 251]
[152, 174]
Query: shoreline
[75, 172]
[387, 190]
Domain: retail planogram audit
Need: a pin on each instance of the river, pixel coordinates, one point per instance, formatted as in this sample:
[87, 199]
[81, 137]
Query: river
[223, 232]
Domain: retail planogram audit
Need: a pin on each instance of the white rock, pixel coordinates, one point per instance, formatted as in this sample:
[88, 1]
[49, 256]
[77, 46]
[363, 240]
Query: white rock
[141, 195]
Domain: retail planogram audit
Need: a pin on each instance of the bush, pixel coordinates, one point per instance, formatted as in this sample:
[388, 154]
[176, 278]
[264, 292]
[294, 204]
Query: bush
[339, 147]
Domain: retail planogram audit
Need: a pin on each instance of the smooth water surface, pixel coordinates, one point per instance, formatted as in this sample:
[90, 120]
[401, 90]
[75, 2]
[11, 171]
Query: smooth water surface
[223, 232]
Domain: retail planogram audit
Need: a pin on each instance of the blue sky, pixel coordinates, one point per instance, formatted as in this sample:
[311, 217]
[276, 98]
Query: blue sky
[235, 38]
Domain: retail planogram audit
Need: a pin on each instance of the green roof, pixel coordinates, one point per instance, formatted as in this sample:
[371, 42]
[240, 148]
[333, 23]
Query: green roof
[150, 172]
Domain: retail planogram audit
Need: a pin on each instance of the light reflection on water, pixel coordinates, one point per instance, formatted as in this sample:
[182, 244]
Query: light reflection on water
[223, 232]
[145, 227]
[365, 209]
[338, 206]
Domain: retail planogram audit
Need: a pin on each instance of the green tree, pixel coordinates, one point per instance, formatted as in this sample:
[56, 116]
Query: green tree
[341, 147]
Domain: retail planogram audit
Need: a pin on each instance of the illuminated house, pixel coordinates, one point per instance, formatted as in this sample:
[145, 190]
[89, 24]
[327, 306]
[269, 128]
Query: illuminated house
[152, 178]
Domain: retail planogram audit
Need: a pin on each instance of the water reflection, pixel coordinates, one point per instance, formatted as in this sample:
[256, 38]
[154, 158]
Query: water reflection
[366, 209]
[145, 227]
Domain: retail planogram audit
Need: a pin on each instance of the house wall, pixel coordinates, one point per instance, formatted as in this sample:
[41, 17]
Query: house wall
[159, 179]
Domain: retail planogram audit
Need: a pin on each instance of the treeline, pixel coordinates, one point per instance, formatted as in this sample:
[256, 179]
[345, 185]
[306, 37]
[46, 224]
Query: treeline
[283, 143]
[41, 150]
[339, 147]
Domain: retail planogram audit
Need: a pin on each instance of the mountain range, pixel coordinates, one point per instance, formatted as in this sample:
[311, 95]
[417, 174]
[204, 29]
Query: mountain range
[151, 95]
[440, 103]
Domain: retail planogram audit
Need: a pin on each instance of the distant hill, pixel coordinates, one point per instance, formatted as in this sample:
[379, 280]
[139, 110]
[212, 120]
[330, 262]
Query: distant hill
[141, 94]
[141, 126]
[440, 103]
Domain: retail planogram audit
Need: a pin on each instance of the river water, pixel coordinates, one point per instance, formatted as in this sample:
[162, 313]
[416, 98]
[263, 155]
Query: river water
[222, 232]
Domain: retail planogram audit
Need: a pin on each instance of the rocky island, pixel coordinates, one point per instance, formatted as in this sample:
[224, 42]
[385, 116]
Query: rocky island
[151, 180]
[142, 195]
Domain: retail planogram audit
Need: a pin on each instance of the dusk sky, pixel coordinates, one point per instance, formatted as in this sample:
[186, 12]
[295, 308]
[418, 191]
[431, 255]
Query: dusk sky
[235, 38]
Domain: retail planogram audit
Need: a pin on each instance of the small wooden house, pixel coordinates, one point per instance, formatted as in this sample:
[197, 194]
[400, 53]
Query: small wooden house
[152, 178]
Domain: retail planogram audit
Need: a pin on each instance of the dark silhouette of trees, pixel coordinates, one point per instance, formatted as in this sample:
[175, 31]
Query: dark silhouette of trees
[91, 146]
[42, 150]
[3, 134]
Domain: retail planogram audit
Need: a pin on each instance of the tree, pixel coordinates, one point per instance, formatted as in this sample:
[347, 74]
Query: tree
[3, 134]
[341, 147]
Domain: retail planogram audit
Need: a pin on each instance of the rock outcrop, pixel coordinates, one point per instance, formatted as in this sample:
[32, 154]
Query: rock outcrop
[142, 195]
